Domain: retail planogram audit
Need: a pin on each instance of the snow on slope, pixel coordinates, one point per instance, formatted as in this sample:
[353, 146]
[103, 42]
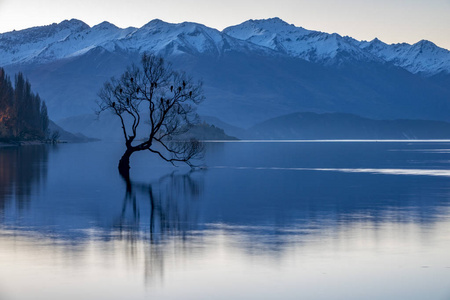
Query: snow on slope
[309, 45]
[20, 46]
[57, 41]
[422, 57]
[78, 43]
[270, 37]
[74, 38]
[171, 39]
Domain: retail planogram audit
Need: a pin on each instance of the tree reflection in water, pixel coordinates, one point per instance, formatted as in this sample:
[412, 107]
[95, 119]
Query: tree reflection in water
[253, 218]
[169, 204]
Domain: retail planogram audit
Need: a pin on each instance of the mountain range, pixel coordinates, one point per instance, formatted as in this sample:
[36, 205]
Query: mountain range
[252, 72]
[75, 38]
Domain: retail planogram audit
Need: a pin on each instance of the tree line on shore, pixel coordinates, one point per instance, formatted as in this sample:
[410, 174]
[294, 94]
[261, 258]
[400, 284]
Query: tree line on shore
[23, 115]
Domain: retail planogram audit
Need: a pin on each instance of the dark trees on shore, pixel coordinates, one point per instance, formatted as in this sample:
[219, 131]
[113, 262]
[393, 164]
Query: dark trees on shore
[23, 116]
[156, 95]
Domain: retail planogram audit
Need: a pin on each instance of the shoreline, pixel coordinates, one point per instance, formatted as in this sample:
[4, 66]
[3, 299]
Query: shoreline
[21, 143]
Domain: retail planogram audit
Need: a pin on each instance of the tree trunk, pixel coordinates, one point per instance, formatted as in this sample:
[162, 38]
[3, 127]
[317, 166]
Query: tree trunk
[124, 164]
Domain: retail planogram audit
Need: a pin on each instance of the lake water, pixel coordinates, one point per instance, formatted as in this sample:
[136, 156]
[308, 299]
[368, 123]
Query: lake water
[263, 220]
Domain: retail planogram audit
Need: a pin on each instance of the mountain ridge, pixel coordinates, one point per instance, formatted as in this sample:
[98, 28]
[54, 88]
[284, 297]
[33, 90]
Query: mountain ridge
[271, 36]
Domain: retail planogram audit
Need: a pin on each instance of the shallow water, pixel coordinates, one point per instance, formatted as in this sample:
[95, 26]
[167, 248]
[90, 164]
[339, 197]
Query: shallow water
[267, 220]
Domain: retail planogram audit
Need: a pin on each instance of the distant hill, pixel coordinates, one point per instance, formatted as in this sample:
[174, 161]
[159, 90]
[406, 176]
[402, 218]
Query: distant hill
[66, 136]
[300, 125]
[227, 128]
[205, 131]
[307, 125]
[107, 127]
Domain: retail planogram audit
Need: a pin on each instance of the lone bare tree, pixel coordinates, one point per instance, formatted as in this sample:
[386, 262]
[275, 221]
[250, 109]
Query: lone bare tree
[166, 100]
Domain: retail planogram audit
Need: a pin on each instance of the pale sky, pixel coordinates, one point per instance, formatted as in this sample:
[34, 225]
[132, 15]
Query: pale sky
[392, 21]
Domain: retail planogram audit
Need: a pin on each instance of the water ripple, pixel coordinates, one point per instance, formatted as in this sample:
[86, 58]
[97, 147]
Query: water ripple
[420, 172]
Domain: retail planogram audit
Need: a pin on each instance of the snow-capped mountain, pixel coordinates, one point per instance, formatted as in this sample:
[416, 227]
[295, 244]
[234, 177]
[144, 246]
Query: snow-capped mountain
[313, 46]
[79, 42]
[191, 38]
[74, 38]
[421, 57]
[24, 45]
[271, 36]
[251, 72]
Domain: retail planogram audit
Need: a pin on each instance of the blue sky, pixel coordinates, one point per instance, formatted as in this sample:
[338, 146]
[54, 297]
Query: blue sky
[392, 21]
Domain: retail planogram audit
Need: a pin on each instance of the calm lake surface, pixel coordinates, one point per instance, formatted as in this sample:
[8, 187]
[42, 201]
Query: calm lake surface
[273, 220]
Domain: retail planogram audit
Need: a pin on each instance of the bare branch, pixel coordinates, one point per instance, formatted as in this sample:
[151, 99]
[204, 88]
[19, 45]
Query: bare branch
[171, 100]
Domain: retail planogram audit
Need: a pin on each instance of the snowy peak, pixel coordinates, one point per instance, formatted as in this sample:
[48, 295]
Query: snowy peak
[154, 23]
[102, 35]
[42, 33]
[295, 41]
[173, 39]
[74, 24]
[263, 29]
[270, 22]
[105, 26]
[269, 37]
[272, 33]
[422, 57]
[18, 46]
[57, 41]
[74, 38]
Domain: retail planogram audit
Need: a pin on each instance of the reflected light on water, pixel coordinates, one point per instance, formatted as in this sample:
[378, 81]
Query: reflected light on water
[424, 172]
[329, 221]
[221, 257]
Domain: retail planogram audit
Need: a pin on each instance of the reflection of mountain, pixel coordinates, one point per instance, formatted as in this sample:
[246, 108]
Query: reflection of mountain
[22, 169]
